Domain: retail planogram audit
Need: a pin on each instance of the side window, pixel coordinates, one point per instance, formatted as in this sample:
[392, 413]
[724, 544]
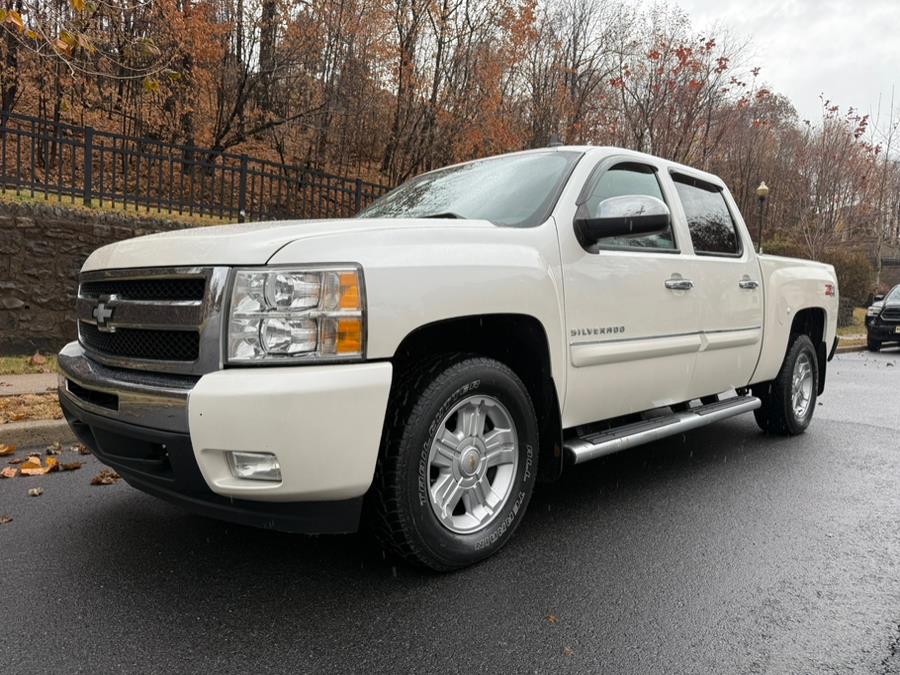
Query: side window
[712, 228]
[623, 180]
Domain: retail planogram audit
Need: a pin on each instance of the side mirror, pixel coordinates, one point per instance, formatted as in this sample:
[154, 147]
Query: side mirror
[878, 297]
[621, 216]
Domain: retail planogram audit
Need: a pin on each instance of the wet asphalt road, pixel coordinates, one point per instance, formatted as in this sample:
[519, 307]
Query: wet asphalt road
[723, 551]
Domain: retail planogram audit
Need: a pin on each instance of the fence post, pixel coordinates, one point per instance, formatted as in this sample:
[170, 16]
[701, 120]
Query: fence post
[242, 191]
[88, 165]
[358, 196]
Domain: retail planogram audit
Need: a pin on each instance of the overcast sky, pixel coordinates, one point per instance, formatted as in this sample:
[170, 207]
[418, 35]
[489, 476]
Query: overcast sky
[848, 49]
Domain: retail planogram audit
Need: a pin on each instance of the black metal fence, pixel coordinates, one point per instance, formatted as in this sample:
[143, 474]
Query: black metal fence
[40, 157]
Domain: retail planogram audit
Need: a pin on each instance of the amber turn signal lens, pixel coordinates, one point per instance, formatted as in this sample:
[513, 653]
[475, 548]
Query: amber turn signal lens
[349, 336]
[349, 293]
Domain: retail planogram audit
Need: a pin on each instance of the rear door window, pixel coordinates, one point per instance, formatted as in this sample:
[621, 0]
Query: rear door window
[713, 230]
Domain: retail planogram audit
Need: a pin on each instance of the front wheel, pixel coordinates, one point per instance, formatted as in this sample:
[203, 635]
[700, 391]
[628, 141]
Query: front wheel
[789, 400]
[458, 463]
[873, 345]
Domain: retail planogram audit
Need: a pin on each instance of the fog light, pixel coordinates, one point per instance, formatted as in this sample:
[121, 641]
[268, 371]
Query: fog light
[254, 465]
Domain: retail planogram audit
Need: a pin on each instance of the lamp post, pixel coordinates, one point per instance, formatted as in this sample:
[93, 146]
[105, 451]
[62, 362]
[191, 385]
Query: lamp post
[762, 192]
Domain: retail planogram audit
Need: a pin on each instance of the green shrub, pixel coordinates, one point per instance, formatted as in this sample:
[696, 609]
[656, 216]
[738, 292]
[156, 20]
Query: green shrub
[856, 278]
[782, 246]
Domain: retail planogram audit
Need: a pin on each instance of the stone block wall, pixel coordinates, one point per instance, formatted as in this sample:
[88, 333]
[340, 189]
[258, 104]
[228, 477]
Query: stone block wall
[42, 247]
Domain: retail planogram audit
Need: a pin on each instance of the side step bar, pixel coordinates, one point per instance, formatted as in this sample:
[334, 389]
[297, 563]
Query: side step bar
[627, 436]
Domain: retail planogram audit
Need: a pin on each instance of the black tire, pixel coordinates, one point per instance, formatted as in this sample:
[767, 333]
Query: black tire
[777, 414]
[873, 345]
[399, 509]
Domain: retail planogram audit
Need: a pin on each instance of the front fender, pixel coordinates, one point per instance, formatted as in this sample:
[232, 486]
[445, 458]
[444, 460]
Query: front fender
[414, 278]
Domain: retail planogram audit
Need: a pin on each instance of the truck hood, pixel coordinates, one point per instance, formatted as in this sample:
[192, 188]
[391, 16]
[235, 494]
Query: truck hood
[247, 243]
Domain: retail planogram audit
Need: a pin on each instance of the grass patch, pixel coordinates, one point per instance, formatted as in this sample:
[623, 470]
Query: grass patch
[22, 365]
[118, 208]
[858, 327]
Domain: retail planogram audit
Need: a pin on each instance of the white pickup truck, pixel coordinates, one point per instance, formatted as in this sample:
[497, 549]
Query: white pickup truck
[421, 366]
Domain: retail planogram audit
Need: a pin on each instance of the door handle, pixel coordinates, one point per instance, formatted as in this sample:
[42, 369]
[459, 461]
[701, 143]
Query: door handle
[748, 284]
[679, 284]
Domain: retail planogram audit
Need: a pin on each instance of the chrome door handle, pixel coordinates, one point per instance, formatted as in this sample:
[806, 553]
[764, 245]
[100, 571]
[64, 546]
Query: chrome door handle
[679, 284]
[749, 284]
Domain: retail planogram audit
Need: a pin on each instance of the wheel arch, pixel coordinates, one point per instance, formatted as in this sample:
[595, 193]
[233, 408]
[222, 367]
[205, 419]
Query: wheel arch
[811, 322]
[517, 340]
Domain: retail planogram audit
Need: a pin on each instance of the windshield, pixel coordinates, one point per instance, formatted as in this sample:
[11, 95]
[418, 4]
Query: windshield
[514, 190]
[894, 295]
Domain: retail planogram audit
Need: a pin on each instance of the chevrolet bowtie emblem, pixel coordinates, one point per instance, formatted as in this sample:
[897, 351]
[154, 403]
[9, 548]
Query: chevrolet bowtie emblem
[102, 313]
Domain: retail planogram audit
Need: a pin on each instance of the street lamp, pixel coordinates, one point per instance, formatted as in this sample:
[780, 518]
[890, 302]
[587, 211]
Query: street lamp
[762, 192]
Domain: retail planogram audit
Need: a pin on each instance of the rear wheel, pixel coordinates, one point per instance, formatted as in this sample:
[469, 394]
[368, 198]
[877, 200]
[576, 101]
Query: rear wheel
[788, 402]
[458, 463]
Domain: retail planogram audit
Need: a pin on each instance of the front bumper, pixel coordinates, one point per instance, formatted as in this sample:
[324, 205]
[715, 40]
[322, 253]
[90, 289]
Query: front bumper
[882, 332]
[170, 437]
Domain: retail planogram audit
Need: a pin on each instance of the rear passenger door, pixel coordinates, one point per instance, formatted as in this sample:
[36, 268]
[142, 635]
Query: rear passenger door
[727, 283]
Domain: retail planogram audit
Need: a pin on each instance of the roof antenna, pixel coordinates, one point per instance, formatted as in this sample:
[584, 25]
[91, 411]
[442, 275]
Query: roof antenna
[554, 141]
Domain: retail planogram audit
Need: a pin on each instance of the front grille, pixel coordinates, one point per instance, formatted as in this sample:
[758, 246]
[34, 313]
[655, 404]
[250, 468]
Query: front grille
[146, 289]
[154, 319]
[890, 314]
[138, 343]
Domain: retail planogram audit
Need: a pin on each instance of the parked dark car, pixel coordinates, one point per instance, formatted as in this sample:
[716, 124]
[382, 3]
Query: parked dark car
[883, 320]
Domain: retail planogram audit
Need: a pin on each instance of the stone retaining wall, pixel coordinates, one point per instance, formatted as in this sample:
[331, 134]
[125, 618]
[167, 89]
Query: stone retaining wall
[42, 247]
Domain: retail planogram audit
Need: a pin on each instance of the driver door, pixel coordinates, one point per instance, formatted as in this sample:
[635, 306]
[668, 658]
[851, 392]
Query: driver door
[632, 319]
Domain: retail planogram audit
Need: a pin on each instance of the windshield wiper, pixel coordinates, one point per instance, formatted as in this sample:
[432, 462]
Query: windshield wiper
[445, 214]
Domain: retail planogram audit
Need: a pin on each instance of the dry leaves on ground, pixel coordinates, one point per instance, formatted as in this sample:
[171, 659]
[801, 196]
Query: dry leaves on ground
[6, 450]
[35, 492]
[551, 619]
[9, 472]
[55, 449]
[71, 466]
[29, 407]
[80, 449]
[34, 467]
[105, 477]
[5, 520]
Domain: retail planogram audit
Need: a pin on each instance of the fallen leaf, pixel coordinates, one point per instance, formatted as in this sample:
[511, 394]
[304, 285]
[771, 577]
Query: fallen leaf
[105, 477]
[80, 449]
[55, 448]
[6, 450]
[71, 466]
[35, 492]
[567, 651]
[38, 359]
[4, 520]
[551, 619]
[18, 460]
[9, 472]
[17, 416]
[33, 466]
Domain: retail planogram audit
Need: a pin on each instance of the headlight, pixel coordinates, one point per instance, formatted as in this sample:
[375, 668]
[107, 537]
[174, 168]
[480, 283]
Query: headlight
[874, 310]
[304, 313]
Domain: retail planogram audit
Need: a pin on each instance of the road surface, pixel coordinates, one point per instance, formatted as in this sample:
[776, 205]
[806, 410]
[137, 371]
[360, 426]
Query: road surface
[721, 551]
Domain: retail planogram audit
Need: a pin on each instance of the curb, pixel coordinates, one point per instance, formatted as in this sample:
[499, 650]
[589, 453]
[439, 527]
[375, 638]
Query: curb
[851, 348]
[39, 432]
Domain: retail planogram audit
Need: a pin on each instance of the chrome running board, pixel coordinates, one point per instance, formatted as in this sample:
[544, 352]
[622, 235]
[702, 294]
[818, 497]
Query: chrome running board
[627, 436]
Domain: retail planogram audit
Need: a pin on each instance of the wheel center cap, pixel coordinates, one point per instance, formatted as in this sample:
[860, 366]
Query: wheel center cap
[469, 461]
